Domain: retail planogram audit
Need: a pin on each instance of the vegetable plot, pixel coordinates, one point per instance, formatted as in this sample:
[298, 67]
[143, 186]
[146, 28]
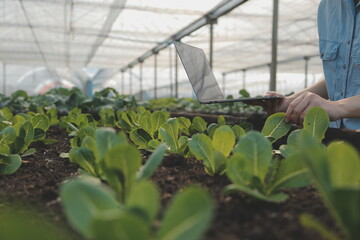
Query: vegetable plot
[94, 211]
[123, 188]
[16, 134]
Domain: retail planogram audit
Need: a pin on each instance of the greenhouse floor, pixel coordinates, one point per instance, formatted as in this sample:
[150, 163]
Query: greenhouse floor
[36, 185]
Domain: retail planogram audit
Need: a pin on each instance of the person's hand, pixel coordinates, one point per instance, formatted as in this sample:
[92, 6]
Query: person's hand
[279, 106]
[299, 106]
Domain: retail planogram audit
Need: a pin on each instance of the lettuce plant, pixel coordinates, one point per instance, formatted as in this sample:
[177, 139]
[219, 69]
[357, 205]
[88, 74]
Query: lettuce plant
[169, 133]
[253, 171]
[16, 136]
[32, 225]
[198, 125]
[275, 127]
[109, 156]
[146, 132]
[335, 170]
[93, 211]
[252, 168]
[107, 117]
[213, 151]
[316, 122]
[75, 120]
[210, 129]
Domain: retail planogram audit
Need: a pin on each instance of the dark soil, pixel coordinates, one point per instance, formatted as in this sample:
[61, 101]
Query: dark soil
[36, 184]
[238, 216]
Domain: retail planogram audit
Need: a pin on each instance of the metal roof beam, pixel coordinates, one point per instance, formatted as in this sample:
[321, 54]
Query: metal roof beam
[220, 10]
[267, 64]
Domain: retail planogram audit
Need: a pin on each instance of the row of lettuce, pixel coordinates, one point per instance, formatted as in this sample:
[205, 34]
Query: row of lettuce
[245, 156]
[65, 100]
[127, 206]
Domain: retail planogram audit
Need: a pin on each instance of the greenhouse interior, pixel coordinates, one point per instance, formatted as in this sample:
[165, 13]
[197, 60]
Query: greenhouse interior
[179, 120]
[127, 45]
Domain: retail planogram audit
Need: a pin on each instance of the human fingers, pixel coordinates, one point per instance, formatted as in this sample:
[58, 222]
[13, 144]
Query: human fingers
[299, 109]
[303, 113]
[284, 103]
[291, 107]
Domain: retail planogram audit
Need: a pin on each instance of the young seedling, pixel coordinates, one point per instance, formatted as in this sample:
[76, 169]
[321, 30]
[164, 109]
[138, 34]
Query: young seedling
[275, 127]
[335, 170]
[146, 133]
[316, 122]
[109, 156]
[198, 125]
[169, 133]
[213, 151]
[93, 211]
[252, 170]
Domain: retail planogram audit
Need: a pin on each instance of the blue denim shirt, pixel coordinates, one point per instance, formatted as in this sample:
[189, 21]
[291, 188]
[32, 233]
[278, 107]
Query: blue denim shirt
[339, 36]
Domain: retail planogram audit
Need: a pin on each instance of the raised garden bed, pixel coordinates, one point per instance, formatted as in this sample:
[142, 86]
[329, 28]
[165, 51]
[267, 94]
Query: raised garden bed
[36, 185]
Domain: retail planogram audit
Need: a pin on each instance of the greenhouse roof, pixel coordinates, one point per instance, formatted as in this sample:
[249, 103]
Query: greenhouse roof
[112, 33]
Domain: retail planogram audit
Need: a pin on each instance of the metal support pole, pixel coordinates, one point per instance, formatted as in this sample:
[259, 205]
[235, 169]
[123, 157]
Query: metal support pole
[130, 80]
[211, 43]
[4, 78]
[90, 88]
[122, 83]
[176, 76]
[170, 72]
[244, 78]
[306, 70]
[141, 81]
[155, 75]
[274, 45]
[224, 82]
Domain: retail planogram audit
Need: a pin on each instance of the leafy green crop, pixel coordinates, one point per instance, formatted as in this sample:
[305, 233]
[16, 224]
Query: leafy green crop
[316, 122]
[169, 133]
[335, 170]
[107, 117]
[253, 171]
[275, 127]
[192, 105]
[92, 210]
[213, 151]
[75, 120]
[32, 224]
[16, 135]
[109, 156]
[252, 168]
[145, 131]
[198, 125]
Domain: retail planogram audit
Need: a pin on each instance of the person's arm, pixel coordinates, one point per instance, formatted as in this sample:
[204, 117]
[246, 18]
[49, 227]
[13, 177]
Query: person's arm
[349, 107]
[318, 88]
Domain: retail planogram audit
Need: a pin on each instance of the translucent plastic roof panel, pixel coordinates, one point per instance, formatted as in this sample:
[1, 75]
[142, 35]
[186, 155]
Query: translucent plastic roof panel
[242, 39]
[110, 34]
[89, 33]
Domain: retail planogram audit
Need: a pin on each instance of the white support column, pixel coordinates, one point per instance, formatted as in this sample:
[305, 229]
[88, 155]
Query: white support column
[224, 83]
[141, 80]
[122, 83]
[211, 44]
[130, 81]
[306, 70]
[176, 76]
[274, 45]
[170, 71]
[4, 77]
[155, 75]
[244, 78]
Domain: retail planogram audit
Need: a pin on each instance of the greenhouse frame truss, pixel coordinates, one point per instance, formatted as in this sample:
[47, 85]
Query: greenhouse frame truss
[89, 43]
